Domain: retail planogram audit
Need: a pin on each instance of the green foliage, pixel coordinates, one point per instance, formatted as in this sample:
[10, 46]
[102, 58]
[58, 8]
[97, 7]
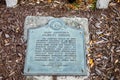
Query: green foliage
[93, 5]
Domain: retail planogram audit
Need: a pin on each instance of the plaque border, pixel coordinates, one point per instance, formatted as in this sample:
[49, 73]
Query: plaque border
[61, 74]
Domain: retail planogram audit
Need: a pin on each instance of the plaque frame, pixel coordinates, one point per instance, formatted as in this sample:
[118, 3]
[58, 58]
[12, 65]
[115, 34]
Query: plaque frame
[83, 72]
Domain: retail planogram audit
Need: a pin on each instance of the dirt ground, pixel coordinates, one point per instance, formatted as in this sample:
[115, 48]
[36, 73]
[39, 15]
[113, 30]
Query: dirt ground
[104, 27]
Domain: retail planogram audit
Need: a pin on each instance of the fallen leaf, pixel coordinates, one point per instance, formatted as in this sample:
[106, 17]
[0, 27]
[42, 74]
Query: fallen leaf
[78, 1]
[6, 41]
[116, 61]
[90, 1]
[49, 1]
[17, 30]
[38, 1]
[91, 63]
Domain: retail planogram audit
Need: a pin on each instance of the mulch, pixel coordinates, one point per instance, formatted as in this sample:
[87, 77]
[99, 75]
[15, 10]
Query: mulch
[104, 28]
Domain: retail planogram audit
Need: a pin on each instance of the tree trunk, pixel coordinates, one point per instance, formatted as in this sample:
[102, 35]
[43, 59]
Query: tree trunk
[102, 4]
[11, 3]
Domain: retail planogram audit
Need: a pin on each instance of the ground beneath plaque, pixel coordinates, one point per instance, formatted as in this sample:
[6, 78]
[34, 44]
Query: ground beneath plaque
[104, 28]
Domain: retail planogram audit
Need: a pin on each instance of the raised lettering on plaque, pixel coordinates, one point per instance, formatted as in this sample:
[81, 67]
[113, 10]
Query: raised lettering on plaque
[55, 49]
